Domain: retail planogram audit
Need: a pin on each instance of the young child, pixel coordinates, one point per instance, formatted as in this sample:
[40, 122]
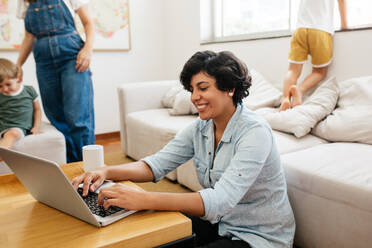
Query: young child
[313, 36]
[20, 112]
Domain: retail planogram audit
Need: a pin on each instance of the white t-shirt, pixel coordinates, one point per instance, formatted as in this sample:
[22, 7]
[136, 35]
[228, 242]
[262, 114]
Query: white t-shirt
[72, 5]
[316, 14]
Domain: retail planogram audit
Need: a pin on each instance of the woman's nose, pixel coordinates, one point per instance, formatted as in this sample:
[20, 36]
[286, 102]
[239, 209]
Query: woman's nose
[194, 96]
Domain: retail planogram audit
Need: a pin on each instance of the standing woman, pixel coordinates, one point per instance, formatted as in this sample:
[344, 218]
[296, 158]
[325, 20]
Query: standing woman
[62, 66]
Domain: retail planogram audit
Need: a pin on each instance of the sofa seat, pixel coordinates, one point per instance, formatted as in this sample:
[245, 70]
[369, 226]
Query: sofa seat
[150, 130]
[336, 180]
[49, 144]
[289, 143]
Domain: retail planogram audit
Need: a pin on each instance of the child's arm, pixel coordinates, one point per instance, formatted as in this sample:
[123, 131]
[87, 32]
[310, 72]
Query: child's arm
[343, 13]
[24, 52]
[37, 117]
[84, 56]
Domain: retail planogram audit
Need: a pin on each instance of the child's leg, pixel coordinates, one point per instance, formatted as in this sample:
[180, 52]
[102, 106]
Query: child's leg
[317, 75]
[10, 137]
[294, 72]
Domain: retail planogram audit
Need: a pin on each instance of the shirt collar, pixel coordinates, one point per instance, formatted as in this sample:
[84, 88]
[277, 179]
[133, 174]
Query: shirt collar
[207, 126]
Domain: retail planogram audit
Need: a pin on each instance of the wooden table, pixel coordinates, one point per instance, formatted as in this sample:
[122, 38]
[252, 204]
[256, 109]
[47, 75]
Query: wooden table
[24, 222]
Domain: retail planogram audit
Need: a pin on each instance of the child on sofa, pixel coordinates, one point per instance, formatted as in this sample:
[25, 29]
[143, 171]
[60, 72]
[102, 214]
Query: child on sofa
[20, 112]
[313, 36]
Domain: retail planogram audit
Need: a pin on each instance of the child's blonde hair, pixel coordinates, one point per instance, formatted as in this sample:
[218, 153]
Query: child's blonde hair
[8, 70]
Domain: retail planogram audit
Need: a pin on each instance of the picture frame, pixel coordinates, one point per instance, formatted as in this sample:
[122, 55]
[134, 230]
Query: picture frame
[111, 19]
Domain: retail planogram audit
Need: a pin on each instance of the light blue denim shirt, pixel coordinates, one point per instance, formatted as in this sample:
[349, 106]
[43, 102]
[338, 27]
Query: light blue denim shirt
[244, 185]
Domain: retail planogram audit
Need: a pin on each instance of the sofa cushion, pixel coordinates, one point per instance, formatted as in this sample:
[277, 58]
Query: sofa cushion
[301, 119]
[179, 100]
[150, 130]
[49, 144]
[352, 119]
[341, 172]
[289, 143]
[262, 93]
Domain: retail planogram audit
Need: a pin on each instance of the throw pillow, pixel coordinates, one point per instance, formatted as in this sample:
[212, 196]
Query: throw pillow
[170, 96]
[301, 119]
[262, 93]
[351, 121]
[182, 104]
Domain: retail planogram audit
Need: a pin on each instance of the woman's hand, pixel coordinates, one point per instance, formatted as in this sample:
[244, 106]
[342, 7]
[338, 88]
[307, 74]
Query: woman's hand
[122, 196]
[19, 74]
[91, 179]
[83, 59]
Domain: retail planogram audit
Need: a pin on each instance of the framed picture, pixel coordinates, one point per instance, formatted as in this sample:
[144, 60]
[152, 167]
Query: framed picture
[111, 19]
[11, 28]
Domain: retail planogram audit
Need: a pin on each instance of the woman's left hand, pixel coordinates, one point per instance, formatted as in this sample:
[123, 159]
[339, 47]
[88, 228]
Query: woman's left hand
[83, 59]
[122, 196]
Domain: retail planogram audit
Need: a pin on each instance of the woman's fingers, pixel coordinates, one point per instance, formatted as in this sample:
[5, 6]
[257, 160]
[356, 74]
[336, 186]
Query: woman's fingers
[83, 61]
[107, 193]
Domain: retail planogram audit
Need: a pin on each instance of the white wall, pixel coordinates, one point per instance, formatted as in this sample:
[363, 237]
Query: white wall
[165, 33]
[351, 49]
[145, 61]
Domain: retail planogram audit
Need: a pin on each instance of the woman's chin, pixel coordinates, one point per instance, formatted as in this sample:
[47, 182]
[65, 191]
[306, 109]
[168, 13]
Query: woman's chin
[204, 116]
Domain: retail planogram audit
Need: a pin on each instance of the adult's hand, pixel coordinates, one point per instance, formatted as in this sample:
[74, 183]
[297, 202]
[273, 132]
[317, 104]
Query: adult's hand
[83, 59]
[19, 74]
[122, 196]
[91, 180]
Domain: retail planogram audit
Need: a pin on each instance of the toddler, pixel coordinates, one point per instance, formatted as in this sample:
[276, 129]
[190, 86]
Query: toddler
[20, 112]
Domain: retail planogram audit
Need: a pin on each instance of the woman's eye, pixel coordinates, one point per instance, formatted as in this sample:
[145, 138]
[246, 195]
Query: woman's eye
[203, 89]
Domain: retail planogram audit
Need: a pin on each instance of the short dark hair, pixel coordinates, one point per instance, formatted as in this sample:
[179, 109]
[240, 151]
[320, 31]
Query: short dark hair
[230, 73]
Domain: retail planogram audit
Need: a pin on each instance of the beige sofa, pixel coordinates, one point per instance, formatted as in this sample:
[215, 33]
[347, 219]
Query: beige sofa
[49, 144]
[329, 184]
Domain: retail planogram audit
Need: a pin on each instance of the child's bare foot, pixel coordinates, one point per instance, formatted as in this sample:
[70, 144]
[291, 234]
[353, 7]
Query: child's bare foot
[286, 104]
[296, 96]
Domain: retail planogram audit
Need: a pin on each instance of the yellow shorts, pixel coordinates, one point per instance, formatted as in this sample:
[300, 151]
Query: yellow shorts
[315, 42]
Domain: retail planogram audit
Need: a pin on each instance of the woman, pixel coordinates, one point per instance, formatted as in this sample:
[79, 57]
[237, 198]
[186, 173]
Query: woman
[244, 202]
[62, 66]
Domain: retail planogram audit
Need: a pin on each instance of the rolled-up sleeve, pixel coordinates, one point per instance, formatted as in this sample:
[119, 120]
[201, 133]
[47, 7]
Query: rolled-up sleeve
[21, 9]
[177, 152]
[251, 154]
[76, 4]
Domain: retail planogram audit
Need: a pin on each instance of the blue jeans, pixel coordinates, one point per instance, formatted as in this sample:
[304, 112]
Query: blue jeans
[67, 95]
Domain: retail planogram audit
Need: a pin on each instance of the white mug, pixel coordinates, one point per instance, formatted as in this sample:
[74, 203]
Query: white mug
[92, 157]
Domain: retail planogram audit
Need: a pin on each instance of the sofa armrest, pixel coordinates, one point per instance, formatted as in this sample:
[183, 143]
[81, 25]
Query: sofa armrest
[139, 96]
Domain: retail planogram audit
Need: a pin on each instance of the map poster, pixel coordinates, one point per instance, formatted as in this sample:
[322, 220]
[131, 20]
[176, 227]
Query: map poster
[111, 19]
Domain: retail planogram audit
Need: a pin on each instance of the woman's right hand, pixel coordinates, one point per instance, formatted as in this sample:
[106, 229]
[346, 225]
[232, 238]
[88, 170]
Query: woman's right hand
[91, 180]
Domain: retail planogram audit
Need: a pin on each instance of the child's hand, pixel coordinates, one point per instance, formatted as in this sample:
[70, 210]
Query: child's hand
[35, 130]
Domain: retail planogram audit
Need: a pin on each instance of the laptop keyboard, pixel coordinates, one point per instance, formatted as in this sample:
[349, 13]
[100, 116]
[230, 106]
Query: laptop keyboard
[91, 201]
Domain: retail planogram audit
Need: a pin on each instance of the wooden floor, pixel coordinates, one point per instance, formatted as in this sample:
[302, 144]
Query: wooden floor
[110, 142]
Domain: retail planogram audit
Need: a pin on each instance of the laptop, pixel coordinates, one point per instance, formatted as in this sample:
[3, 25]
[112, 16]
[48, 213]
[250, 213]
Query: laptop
[47, 183]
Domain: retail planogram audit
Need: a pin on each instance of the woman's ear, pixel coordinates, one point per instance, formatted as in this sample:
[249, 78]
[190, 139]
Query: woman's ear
[231, 92]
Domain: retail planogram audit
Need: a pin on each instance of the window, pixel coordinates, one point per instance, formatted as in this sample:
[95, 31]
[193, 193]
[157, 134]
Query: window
[229, 20]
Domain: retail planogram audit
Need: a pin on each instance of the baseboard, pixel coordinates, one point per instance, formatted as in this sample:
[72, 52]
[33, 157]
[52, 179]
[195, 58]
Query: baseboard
[111, 135]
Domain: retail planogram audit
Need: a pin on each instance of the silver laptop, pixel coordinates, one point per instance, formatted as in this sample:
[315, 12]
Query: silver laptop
[47, 183]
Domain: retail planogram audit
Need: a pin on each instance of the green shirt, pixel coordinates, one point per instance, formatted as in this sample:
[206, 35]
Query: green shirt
[18, 110]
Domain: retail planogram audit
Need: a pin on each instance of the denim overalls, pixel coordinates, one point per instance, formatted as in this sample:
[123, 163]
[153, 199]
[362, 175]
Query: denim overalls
[67, 95]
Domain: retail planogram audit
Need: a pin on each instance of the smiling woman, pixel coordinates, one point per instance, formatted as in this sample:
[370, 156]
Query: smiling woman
[244, 200]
